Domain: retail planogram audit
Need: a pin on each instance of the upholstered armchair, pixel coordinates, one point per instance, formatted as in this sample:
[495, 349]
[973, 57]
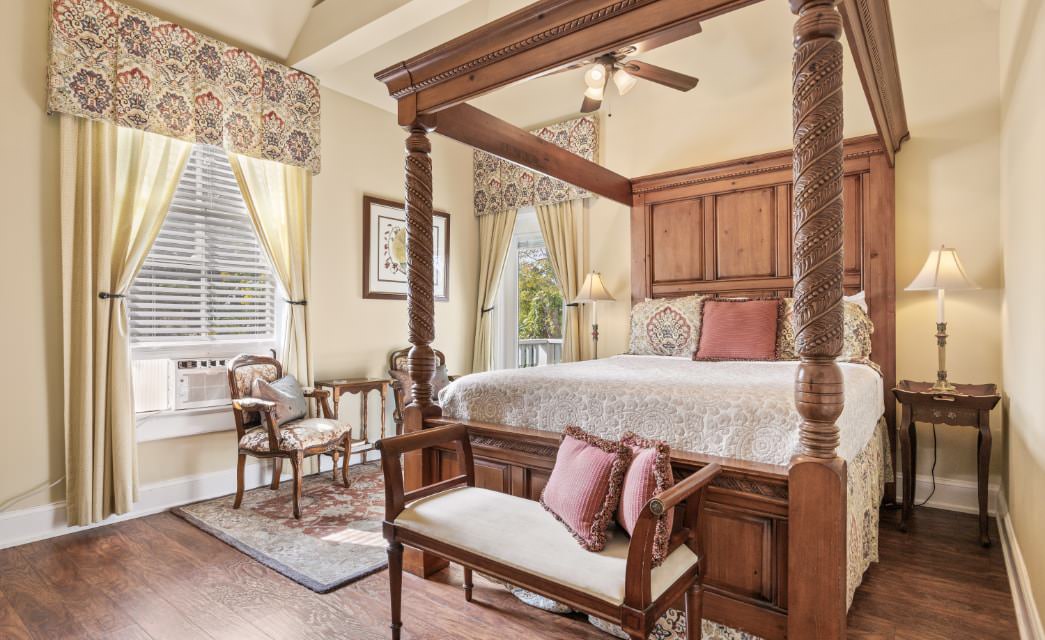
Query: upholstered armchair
[402, 390]
[260, 435]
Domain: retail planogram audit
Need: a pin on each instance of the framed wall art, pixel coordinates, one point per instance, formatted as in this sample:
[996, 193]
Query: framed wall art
[384, 250]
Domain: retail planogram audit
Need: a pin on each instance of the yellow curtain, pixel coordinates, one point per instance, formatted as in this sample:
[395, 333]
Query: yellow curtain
[116, 185]
[279, 198]
[563, 232]
[495, 234]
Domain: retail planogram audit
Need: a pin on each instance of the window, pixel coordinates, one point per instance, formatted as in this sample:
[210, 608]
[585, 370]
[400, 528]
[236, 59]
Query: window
[529, 312]
[206, 292]
[207, 279]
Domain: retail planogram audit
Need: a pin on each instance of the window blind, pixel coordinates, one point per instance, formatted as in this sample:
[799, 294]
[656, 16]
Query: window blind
[206, 278]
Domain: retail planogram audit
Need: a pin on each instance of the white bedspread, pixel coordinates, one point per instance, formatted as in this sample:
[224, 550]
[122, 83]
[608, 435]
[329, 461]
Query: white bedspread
[742, 410]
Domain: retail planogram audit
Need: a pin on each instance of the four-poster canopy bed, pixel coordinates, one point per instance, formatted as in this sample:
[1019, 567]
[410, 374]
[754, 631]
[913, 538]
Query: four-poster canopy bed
[820, 197]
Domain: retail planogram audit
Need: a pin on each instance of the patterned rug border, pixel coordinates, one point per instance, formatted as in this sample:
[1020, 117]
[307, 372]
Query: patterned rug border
[269, 561]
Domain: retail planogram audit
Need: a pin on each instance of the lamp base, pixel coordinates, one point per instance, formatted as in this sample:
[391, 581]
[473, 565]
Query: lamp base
[942, 385]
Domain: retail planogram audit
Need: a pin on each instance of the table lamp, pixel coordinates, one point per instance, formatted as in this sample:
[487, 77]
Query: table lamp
[593, 290]
[942, 271]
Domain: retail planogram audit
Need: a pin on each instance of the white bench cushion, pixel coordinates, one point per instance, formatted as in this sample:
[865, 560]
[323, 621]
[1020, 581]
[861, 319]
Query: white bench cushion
[521, 534]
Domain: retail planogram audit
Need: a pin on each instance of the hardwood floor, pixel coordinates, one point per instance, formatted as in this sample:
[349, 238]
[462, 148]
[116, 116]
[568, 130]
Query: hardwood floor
[159, 577]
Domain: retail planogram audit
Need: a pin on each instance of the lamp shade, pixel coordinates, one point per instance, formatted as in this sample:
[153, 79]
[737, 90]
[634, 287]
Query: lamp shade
[593, 289]
[942, 270]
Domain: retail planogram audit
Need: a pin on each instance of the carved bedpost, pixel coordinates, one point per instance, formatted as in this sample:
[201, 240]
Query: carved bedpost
[419, 467]
[817, 506]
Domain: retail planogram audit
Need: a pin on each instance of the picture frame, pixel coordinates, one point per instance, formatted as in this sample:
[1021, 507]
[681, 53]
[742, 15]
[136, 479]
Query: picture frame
[384, 250]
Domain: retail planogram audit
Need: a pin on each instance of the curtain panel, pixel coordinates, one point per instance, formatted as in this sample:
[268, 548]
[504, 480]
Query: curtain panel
[495, 237]
[562, 227]
[116, 186]
[501, 185]
[279, 199]
[112, 62]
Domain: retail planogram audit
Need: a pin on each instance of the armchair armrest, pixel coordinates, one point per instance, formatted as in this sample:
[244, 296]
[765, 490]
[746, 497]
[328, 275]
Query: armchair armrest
[322, 398]
[640, 552]
[253, 404]
[396, 498]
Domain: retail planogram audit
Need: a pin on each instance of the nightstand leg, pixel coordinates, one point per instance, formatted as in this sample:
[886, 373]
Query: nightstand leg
[905, 444]
[983, 451]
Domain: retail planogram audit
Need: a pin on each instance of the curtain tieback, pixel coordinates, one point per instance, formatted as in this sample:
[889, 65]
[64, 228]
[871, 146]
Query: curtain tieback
[105, 295]
[573, 304]
[487, 310]
[299, 303]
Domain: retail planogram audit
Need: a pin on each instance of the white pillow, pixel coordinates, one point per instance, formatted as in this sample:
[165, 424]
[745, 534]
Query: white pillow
[859, 299]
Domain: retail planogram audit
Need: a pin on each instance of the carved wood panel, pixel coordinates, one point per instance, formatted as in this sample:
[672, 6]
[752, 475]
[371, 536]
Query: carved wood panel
[744, 234]
[679, 231]
[744, 558]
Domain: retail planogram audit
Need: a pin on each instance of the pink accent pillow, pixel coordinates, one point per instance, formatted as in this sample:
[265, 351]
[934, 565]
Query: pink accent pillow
[738, 330]
[648, 475]
[584, 487]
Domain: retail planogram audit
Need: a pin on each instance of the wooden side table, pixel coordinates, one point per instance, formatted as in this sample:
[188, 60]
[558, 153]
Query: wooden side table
[362, 386]
[968, 406]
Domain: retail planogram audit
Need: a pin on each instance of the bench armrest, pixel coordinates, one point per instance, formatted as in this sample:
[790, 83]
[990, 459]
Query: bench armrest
[396, 497]
[691, 491]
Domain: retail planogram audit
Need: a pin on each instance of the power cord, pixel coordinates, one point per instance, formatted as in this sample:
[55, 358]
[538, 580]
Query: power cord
[7, 504]
[932, 472]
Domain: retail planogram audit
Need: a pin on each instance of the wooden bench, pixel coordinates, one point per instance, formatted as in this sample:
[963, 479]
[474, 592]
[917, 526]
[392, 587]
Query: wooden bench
[517, 541]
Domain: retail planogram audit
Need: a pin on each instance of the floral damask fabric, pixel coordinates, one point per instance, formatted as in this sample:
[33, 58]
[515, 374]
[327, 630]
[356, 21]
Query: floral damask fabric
[666, 326]
[856, 336]
[501, 185]
[296, 436]
[113, 62]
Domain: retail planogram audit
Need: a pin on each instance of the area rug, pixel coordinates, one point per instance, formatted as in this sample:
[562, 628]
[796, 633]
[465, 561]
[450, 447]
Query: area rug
[336, 541]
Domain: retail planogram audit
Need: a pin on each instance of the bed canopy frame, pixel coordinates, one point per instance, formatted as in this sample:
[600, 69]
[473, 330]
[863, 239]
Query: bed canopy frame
[432, 89]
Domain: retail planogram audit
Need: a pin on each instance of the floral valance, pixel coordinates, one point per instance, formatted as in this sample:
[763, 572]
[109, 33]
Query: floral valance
[501, 185]
[113, 62]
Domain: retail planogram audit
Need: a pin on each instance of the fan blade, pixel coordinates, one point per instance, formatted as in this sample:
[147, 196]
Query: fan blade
[678, 32]
[589, 105]
[660, 75]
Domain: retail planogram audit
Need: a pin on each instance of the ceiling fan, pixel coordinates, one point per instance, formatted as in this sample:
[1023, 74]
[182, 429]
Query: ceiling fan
[625, 75]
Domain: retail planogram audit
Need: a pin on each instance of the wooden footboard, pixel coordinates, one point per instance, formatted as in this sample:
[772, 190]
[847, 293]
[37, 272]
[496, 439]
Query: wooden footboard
[745, 524]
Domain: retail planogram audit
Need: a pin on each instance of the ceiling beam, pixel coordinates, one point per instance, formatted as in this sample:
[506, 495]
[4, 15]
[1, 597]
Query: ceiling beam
[339, 32]
[869, 30]
[534, 40]
[481, 130]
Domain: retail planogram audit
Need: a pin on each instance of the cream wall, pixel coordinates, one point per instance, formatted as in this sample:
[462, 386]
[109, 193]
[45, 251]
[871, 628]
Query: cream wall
[1023, 228]
[947, 184]
[362, 153]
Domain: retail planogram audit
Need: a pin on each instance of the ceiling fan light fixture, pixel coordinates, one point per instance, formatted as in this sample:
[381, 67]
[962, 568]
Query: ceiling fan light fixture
[595, 77]
[595, 93]
[625, 81]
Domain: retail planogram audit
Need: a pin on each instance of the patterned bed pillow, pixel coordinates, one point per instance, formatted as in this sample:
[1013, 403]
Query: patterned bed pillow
[648, 474]
[666, 326]
[856, 338]
[739, 330]
[584, 488]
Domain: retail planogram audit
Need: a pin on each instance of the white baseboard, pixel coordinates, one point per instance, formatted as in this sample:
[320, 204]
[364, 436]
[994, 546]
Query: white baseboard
[1027, 616]
[952, 495]
[49, 520]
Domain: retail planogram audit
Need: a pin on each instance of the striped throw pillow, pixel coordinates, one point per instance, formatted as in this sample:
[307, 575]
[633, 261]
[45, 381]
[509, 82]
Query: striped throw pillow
[648, 474]
[738, 330]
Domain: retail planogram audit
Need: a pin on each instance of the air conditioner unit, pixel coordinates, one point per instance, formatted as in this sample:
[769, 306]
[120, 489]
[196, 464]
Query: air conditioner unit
[199, 383]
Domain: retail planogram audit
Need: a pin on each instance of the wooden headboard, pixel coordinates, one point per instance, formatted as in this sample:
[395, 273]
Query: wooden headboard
[725, 229]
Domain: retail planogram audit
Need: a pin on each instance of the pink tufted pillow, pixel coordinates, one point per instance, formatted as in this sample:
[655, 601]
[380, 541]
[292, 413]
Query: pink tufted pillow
[584, 487]
[648, 474]
[738, 330]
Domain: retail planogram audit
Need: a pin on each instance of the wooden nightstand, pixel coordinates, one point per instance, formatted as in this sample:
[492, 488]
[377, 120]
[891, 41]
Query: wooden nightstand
[362, 386]
[968, 406]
